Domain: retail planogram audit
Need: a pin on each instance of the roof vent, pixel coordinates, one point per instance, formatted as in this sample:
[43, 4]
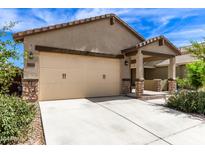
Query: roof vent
[112, 20]
[161, 42]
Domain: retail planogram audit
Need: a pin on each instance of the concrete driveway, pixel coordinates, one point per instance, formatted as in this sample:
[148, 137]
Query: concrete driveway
[118, 120]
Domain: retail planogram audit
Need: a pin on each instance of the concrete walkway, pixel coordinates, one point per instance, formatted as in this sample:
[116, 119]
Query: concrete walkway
[118, 120]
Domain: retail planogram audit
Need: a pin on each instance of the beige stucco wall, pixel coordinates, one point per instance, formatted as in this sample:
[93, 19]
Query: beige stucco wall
[97, 36]
[125, 69]
[84, 76]
[158, 49]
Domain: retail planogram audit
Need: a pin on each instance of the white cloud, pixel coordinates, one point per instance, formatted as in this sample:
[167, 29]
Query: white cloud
[159, 16]
[190, 32]
[50, 17]
[33, 18]
[187, 34]
[85, 13]
[165, 19]
[7, 15]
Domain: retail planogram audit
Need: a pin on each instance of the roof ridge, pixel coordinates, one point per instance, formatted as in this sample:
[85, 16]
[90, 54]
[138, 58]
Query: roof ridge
[152, 40]
[64, 24]
[20, 35]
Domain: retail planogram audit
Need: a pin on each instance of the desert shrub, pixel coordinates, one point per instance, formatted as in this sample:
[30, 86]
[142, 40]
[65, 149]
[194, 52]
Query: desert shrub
[8, 54]
[188, 101]
[16, 116]
[184, 84]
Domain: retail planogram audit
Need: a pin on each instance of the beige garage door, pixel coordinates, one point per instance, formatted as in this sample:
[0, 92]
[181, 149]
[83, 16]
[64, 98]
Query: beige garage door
[64, 76]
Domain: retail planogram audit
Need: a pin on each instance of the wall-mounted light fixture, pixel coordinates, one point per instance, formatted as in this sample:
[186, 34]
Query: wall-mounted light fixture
[30, 54]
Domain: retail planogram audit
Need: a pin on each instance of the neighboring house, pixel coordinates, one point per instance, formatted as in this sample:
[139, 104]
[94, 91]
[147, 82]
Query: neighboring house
[92, 57]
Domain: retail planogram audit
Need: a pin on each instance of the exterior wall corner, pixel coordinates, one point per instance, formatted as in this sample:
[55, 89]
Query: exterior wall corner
[125, 86]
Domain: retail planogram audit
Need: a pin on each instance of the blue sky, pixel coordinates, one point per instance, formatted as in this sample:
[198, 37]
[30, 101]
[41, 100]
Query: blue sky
[179, 25]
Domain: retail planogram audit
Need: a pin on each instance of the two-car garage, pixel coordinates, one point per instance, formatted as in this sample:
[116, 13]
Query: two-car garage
[64, 76]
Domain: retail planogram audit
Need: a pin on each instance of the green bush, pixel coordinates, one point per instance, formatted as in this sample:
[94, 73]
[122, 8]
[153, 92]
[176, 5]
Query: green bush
[196, 74]
[16, 116]
[183, 84]
[188, 101]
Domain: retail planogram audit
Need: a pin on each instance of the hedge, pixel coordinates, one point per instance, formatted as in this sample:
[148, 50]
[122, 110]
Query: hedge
[16, 116]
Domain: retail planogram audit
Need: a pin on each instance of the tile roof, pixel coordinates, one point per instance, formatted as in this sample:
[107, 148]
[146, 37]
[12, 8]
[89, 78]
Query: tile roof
[20, 35]
[151, 40]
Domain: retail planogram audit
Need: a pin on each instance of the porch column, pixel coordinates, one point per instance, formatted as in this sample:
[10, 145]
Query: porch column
[172, 75]
[139, 84]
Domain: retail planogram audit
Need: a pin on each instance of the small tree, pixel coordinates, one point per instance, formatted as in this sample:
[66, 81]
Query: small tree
[196, 74]
[196, 70]
[198, 50]
[8, 53]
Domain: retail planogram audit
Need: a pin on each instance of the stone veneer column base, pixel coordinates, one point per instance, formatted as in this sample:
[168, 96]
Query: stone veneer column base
[125, 87]
[172, 86]
[139, 88]
[30, 89]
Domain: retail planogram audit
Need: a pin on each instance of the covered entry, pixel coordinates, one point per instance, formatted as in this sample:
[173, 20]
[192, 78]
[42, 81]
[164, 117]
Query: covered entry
[158, 48]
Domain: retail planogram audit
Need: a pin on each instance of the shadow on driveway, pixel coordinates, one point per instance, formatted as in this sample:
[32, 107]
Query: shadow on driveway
[105, 99]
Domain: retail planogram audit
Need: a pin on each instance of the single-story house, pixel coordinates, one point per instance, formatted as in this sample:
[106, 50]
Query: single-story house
[92, 57]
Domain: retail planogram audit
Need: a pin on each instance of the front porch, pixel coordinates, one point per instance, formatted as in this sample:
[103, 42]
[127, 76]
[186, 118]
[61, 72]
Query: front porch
[140, 57]
[149, 95]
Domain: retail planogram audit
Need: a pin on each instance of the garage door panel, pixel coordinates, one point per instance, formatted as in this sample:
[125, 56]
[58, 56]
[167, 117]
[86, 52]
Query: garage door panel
[75, 75]
[52, 93]
[84, 76]
[49, 75]
[54, 61]
[102, 90]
